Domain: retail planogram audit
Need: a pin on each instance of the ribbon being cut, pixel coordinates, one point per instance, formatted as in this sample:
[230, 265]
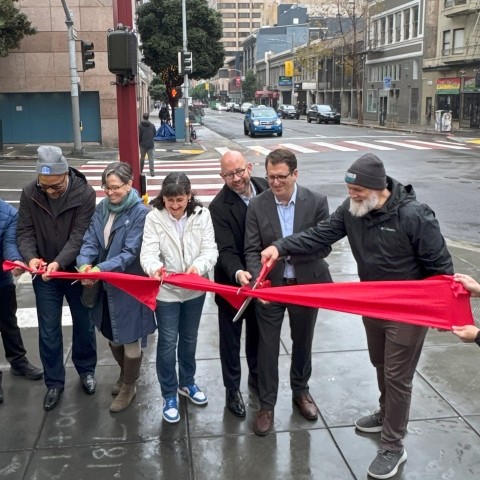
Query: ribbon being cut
[437, 302]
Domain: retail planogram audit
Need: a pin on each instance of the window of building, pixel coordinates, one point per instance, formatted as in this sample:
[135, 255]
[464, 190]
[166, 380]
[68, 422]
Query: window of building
[229, 34]
[390, 29]
[406, 24]
[229, 15]
[447, 42]
[258, 6]
[383, 22]
[414, 22]
[415, 70]
[229, 24]
[243, 24]
[244, 15]
[458, 41]
[398, 26]
[256, 14]
[225, 5]
[372, 100]
[229, 44]
[243, 34]
[243, 5]
[256, 24]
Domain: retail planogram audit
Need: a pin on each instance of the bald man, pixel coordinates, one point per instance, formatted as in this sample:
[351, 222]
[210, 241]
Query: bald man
[228, 210]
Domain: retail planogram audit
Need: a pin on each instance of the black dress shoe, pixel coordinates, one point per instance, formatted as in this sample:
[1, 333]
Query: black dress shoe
[52, 397]
[234, 402]
[27, 370]
[89, 383]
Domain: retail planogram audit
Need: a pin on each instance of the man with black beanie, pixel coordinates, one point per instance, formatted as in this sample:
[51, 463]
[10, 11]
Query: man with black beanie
[392, 237]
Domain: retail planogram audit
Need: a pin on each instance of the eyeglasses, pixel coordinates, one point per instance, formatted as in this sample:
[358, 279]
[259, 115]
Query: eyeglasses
[279, 178]
[56, 186]
[113, 189]
[239, 172]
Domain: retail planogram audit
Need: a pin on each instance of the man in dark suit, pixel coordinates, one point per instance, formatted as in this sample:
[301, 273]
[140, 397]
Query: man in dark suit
[228, 210]
[284, 209]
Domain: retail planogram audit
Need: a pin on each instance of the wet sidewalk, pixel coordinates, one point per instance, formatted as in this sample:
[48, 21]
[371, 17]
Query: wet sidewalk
[81, 439]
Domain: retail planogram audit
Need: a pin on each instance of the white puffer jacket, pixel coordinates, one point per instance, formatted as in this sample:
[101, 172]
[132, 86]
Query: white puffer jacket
[161, 246]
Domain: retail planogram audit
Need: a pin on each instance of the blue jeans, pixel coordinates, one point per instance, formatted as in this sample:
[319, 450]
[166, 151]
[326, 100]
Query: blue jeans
[178, 323]
[49, 299]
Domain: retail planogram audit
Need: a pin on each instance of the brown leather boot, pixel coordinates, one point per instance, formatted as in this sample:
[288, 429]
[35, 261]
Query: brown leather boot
[118, 352]
[131, 372]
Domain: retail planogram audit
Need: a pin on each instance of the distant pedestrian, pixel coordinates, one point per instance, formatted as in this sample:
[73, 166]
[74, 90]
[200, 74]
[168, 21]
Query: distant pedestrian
[15, 352]
[164, 114]
[55, 211]
[178, 236]
[146, 135]
[112, 244]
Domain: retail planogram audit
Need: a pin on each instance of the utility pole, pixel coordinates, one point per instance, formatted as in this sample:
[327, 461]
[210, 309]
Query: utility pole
[293, 76]
[185, 77]
[127, 103]
[74, 80]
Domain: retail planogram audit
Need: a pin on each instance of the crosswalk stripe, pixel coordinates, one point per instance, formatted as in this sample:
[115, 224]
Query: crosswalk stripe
[400, 144]
[259, 149]
[298, 148]
[334, 146]
[222, 150]
[373, 146]
[439, 145]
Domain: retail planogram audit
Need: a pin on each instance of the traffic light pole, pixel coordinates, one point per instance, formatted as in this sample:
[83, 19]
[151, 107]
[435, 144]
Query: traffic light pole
[185, 77]
[74, 80]
[127, 104]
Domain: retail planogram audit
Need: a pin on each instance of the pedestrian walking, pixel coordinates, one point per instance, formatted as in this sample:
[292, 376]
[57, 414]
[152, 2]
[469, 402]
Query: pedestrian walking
[392, 237]
[15, 352]
[228, 210]
[146, 135]
[112, 244]
[178, 237]
[55, 211]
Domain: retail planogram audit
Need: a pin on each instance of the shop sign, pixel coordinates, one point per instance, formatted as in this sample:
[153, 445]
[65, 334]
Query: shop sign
[448, 86]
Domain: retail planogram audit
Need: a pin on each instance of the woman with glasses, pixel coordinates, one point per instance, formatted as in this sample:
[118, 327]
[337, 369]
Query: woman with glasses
[178, 237]
[112, 244]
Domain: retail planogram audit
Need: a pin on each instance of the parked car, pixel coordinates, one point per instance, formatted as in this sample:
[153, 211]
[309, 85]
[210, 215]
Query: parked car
[288, 111]
[220, 107]
[262, 121]
[237, 108]
[245, 106]
[229, 106]
[322, 113]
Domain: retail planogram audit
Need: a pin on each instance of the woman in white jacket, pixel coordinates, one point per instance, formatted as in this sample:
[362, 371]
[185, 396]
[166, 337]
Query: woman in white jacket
[178, 236]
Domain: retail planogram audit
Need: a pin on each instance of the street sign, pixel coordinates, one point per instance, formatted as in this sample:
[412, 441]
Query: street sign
[387, 83]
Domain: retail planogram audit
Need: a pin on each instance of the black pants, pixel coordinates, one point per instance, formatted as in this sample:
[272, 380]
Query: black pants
[11, 336]
[302, 326]
[230, 334]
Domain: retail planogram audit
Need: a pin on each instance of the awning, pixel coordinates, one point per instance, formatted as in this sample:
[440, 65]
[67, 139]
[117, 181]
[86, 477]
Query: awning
[266, 94]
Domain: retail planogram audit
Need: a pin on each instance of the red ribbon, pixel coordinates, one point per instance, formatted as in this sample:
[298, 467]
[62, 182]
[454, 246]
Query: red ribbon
[437, 302]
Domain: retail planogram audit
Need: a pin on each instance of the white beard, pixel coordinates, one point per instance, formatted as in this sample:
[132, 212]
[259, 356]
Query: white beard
[360, 209]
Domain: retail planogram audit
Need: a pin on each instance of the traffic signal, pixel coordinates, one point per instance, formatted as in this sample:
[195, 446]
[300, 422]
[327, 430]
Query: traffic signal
[122, 46]
[184, 63]
[174, 92]
[87, 55]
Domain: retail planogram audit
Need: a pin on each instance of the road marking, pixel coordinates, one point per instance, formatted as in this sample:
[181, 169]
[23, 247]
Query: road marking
[222, 150]
[439, 145]
[368, 145]
[298, 148]
[401, 144]
[333, 146]
[259, 149]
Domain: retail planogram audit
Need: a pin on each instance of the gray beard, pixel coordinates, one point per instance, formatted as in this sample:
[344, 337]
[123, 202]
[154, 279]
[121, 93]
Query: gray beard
[360, 209]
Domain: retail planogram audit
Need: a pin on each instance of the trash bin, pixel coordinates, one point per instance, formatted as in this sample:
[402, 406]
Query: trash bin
[443, 120]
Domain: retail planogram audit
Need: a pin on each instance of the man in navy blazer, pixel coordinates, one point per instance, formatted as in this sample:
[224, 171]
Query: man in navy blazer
[284, 209]
[228, 210]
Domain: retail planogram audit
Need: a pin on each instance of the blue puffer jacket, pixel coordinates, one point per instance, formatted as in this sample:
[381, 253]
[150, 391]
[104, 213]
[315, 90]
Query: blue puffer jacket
[8, 240]
[130, 319]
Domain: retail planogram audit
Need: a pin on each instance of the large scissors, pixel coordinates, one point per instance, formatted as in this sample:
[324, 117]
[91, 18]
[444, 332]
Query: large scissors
[258, 283]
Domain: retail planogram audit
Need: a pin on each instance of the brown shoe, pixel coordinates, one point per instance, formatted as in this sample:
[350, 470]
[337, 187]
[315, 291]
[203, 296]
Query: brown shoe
[306, 407]
[263, 422]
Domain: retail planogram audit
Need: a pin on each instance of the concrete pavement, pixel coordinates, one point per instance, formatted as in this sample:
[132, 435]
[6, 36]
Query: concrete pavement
[81, 439]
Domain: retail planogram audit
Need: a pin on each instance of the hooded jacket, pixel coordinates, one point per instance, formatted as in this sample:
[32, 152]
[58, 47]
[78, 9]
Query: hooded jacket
[146, 134]
[55, 237]
[400, 241]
